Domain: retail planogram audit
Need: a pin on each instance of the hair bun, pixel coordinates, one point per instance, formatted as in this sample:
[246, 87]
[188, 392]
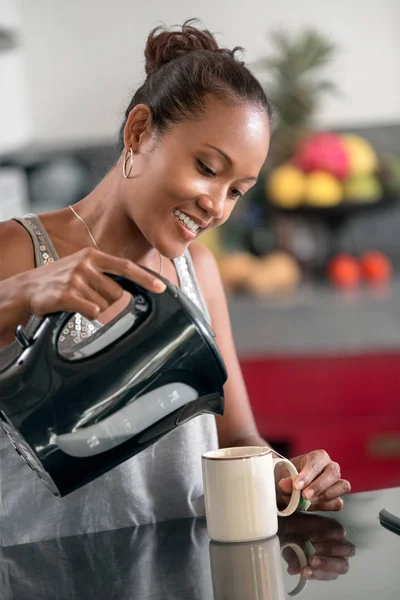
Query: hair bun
[163, 46]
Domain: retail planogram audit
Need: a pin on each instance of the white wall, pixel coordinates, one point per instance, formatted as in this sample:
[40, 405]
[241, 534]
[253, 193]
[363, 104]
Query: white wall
[14, 127]
[84, 57]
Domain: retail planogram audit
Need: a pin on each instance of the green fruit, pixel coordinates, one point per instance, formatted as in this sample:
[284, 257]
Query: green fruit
[364, 188]
[391, 174]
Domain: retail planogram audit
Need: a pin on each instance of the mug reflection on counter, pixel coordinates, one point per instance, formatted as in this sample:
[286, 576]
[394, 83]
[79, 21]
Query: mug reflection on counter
[173, 559]
[252, 570]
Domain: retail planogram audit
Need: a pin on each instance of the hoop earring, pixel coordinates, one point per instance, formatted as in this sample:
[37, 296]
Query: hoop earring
[128, 154]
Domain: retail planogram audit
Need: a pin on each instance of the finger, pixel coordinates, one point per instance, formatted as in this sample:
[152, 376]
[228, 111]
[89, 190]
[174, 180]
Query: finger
[74, 303]
[315, 463]
[340, 488]
[286, 485]
[294, 569]
[88, 293]
[331, 505]
[330, 564]
[292, 561]
[128, 269]
[104, 285]
[326, 479]
[315, 527]
[313, 574]
[344, 548]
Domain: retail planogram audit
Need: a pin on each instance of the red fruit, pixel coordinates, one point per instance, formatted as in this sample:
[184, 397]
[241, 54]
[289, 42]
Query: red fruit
[376, 267]
[323, 152]
[344, 271]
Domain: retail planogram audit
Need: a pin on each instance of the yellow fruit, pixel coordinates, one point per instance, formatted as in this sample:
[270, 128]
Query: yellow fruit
[275, 274]
[323, 190]
[235, 269]
[362, 157]
[366, 188]
[285, 186]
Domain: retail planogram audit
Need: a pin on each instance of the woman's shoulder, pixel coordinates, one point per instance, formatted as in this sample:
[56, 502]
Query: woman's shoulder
[16, 250]
[207, 271]
[203, 259]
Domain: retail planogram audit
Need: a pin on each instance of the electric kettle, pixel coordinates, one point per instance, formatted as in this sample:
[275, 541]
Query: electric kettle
[74, 417]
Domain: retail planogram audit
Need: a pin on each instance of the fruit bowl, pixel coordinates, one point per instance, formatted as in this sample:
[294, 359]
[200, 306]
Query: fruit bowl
[332, 175]
[343, 209]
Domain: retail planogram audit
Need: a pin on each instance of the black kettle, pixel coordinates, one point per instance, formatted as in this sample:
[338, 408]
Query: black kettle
[74, 417]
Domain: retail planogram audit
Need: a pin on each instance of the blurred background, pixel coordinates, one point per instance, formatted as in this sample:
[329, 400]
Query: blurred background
[310, 258]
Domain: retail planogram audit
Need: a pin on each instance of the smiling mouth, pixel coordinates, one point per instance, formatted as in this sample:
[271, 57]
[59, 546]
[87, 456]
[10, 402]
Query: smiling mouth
[190, 225]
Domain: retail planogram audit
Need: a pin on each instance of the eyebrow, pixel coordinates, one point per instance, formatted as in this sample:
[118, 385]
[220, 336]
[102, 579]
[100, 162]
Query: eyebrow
[229, 160]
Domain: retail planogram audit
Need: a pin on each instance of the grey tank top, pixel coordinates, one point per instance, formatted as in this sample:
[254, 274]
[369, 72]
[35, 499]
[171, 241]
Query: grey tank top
[163, 482]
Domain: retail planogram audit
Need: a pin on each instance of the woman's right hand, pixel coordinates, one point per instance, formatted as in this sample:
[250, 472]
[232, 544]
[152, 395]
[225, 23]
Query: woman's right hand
[77, 283]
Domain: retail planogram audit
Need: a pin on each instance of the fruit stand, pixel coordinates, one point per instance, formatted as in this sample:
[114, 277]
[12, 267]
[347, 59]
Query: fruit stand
[288, 229]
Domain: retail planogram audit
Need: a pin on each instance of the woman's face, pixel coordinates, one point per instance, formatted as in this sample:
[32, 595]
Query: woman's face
[197, 170]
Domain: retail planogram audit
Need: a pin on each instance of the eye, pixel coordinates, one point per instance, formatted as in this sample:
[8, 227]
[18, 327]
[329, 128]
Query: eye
[234, 193]
[204, 169]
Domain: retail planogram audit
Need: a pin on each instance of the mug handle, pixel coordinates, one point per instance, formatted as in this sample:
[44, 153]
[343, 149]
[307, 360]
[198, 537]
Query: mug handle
[302, 558]
[296, 495]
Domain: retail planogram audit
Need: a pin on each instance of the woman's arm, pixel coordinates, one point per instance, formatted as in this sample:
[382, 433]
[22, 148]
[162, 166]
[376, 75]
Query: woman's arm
[319, 476]
[16, 257]
[237, 427]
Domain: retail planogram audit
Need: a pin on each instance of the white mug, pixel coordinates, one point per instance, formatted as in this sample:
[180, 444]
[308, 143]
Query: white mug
[252, 570]
[239, 493]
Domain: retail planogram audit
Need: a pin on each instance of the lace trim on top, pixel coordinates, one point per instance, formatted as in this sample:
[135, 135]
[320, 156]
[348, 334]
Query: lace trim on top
[79, 328]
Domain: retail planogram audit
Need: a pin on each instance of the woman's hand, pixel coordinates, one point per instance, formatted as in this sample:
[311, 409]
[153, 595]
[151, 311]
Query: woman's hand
[319, 480]
[77, 283]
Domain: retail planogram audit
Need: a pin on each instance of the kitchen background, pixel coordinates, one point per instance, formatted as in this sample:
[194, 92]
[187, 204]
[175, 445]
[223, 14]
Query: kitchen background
[310, 259]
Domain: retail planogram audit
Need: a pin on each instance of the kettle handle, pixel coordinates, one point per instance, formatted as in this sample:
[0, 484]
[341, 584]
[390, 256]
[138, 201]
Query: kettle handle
[58, 320]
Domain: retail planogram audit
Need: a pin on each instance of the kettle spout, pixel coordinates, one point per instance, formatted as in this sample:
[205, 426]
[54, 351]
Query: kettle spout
[211, 404]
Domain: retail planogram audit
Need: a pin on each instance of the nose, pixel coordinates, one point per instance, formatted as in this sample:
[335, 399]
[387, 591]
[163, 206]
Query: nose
[214, 207]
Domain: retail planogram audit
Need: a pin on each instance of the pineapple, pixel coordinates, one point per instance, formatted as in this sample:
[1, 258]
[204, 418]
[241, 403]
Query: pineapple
[295, 87]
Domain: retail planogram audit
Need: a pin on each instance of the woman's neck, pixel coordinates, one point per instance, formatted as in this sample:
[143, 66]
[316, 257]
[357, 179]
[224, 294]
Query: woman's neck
[114, 231]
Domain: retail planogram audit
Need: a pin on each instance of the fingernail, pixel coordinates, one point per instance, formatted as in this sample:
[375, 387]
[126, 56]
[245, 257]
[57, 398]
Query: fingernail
[159, 285]
[299, 485]
[308, 572]
[309, 494]
[316, 562]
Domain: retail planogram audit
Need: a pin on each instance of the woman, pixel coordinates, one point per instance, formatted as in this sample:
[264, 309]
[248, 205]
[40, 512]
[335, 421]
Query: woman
[193, 141]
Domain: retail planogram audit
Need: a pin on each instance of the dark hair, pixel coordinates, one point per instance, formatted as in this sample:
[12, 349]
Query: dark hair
[182, 67]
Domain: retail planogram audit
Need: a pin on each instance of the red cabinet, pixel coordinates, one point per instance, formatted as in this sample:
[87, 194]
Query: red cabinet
[348, 404]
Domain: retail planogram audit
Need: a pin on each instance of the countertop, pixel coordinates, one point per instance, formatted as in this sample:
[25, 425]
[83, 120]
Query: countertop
[175, 560]
[317, 319]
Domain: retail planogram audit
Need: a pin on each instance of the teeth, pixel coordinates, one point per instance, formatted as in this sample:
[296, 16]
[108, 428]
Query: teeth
[187, 221]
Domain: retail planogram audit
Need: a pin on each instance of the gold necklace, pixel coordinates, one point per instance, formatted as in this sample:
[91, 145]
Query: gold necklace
[86, 225]
[94, 241]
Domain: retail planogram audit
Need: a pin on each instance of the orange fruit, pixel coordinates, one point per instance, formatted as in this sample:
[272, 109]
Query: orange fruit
[344, 271]
[376, 267]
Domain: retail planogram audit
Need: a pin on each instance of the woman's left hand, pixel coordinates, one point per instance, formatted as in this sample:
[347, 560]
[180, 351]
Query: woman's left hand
[319, 480]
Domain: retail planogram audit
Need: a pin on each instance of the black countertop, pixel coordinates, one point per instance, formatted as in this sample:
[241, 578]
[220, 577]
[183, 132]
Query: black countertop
[176, 561]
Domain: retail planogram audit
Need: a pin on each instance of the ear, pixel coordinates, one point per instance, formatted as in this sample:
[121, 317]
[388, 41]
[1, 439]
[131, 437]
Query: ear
[138, 126]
